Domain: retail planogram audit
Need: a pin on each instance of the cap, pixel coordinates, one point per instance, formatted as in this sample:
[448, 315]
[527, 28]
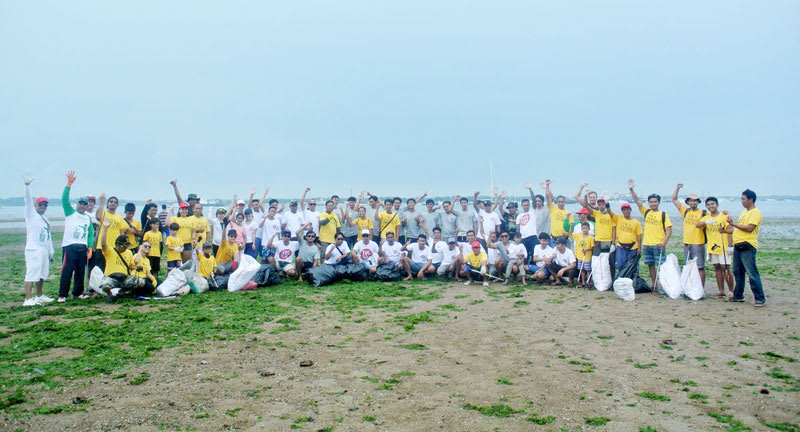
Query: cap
[240, 202]
[207, 245]
[184, 205]
[364, 232]
[293, 203]
[583, 211]
[476, 244]
[192, 196]
[511, 204]
[451, 240]
[42, 200]
[625, 205]
[122, 240]
[84, 200]
[691, 197]
[91, 198]
[286, 233]
[601, 199]
[222, 210]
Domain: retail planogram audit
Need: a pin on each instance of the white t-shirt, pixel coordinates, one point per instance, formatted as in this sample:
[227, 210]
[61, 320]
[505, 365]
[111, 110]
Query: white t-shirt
[37, 227]
[449, 256]
[367, 252]
[526, 223]
[271, 226]
[492, 255]
[293, 221]
[252, 230]
[539, 254]
[217, 225]
[490, 221]
[284, 252]
[313, 217]
[466, 248]
[393, 252]
[517, 251]
[76, 229]
[335, 252]
[437, 257]
[564, 259]
[418, 255]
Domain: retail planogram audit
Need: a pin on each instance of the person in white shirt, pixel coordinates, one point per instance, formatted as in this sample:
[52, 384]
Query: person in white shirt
[488, 220]
[466, 247]
[563, 263]
[494, 255]
[517, 255]
[419, 262]
[526, 221]
[252, 227]
[391, 252]
[366, 252]
[39, 250]
[542, 257]
[451, 258]
[310, 215]
[269, 226]
[75, 245]
[217, 227]
[284, 252]
[293, 220]
[337, 253]
[437, 247]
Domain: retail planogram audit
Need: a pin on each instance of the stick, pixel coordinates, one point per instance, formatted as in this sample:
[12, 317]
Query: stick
[487, 275]
[658, 269]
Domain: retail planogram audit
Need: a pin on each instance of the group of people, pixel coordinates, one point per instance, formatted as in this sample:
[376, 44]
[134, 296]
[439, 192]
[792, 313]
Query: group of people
[473, 241]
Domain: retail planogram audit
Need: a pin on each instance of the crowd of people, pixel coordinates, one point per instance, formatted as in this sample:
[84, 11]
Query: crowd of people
[471, 241]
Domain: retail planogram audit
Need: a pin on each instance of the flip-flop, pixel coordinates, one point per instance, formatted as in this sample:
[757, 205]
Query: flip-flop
[717, 295]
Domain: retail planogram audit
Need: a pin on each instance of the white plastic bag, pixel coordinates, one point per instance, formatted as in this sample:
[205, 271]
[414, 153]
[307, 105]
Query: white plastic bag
[691, 284]
[601, 272]
[248, 267]
[623, 288]
[174, 281]
[95, 279]
[199, 284]
[669, 276]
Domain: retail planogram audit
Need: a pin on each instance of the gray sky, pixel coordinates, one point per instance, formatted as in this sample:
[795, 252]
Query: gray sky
[225, 96]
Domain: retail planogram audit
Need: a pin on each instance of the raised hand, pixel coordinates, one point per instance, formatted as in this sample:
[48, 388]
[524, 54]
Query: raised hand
[174, 182]
[102, 197]
[495, 191]
[253, 191]
[528, 185]
[308, 189]
[584, 184]
[106, 222]
[148, 201]
[70, 178]
[631, 184]
[679, 186]
[27, 178]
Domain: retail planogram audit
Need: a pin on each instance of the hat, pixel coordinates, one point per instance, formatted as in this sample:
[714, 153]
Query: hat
[222, 210]
[91, 198]
[451, 240]
[476, 244]
[625, 205]
[364, 232]
[293, 203]
[122, 240]
[84, 200]
[183, 205]
[207, 245]
[192, 196]
[42, 200]
[286, 233]
[583, 211]
[691, 197]
[511, 204]
[240, 202]
[601, 199]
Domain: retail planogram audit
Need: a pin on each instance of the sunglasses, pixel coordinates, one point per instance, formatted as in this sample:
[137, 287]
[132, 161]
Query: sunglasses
[42, 204]
[312, 204]
[503, 236]
[145, 246]
[113, 202]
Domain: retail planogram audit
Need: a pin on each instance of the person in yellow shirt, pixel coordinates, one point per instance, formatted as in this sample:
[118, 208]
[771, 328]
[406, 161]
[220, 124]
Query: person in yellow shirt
[694, 238]
[558, 214]
[200, 228]
[142, 264]
[229, 249]
[362, 221]
[118, 278]
[629, 237]
[328, 225]
[718, 232]
[206, 262]
[174, 247]
[185, 229]
[154, 237]
[745, 246]
[476, 261]
[605, 229]
[388, 220]
[117, 226]
[133, 228]
[584, 245]
[657, 231]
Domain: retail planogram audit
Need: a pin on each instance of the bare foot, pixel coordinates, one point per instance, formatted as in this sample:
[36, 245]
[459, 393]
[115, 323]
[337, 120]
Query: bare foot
[408, 278]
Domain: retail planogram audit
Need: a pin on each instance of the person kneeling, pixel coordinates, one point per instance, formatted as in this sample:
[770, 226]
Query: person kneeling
[563, 263]
[419, 263]
[119, 264]
[476, 262]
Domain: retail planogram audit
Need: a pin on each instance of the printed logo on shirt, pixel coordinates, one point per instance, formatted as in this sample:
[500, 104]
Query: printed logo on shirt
[366, 254]
[284, 254]
[524, 219]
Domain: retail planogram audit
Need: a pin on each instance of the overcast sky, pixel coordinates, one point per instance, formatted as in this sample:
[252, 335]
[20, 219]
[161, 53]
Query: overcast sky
[399, 97]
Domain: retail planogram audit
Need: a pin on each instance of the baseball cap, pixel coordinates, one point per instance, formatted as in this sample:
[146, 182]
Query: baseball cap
[364, 232]
[222, 210]
[42, 200]
[183, 205]
[691, 197]
[625, 205]
[286, 233]
[293, 203]
[511, 204]
[91, 198]
[583, 211]
[601, 199]
[84, 200]
[192, 196]
[240, 202]
[451, 240]
[207, 245]
[476, 244]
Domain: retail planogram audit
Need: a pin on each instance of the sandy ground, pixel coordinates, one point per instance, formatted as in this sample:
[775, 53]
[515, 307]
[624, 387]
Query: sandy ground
[562, 352]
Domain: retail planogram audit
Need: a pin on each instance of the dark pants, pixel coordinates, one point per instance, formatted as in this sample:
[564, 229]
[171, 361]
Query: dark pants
[530, 242]
[248, 250]
[745, 262]
[155, 265]
[622, 256]
[554, 268]
[74, 263]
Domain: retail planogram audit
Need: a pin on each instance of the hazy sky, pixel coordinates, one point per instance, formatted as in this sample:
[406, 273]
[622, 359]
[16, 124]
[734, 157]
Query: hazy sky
[399, 97]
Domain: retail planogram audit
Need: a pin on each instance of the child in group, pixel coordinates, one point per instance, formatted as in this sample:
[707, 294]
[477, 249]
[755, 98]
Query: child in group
[206, 262]
[542, 257]
[584, 244]
[563, 263]
[174, 246]
[153, 235]
[229, 249]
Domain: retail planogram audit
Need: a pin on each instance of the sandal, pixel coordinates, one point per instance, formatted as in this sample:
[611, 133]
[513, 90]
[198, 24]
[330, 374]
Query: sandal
[759, 305]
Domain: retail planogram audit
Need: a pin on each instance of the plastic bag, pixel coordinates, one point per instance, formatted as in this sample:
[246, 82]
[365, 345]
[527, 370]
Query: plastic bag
[353, 272]
[176, 279]
[669, 276]
[640, 286]
[387, 272]
[322, 275]
[631, 268]
[691, 284]
[248, 267]
[266, 275]
[601, 272]
[198, 283]
[623, 288]
[95, 278]
[218, 282]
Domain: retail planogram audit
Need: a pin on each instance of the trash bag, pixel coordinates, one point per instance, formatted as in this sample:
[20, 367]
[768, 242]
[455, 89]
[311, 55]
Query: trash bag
[266, 275]
[248, 267]
[218, 282]
[640, 286]
[631, 268]
[352, 272]
[95, 279]
[387, 272]
[224, 269]
[176, 279]
[322, 275]
[198, 283]
[623, 288]
[691, 284]
[669, 276]
[601, 272]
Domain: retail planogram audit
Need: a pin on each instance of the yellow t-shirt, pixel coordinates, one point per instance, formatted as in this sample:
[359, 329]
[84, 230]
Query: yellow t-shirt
[206, 266]
[654, 231]
[327, 232]
[118, 226]
[226, 252]
[154, 238]
[628, 230]
[114, 264]
[603, 223]
[557, 217]
[583, 242]
[132, 238]
[717, 241]
[173, 242]
[389, 223]
[201, 223]
[145, 263]
[363, 224]
[186, 224]
[692, 234]
[748, 217]
[475, 260]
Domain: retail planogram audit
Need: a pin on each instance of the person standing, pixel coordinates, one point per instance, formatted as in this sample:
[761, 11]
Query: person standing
[349, 214]
[465, 219]
[526, 222]
[745, 246]
[694, 238]
[657, 231]
[718, 233]
[558, 214]
[628, 237]
[329, 225]
[39, 250]
[310, 215]
[78, 235]
[447, 220]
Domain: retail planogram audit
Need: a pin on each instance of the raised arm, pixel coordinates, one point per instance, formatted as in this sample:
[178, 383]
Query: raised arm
[675, 196]
[29, 210]
[496, 202]
[101, 203]
[533, 196]
[174, 184]
[475, 200]
[303, 199]
[422, 197]
[578, 198]
[65, 204]
[635, 197]
[548, 194]
[263, 198]
[104, 237]
[230, 209]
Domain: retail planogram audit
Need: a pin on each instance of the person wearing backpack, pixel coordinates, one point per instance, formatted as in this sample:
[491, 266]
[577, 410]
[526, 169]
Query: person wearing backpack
[657, 231]
[694, 238]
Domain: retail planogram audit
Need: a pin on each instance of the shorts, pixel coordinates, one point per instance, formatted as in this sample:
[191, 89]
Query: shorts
[306, 265]
[695, 251]
[492, 270]
[441, 268]
[533, 268]
[173, 264]
[187, 246]
[585, 265]
[285, 266]
[416, 267]
[436, 265]
[651, 253]
[37, 265]
[268, 253]
[600, 247]
[720, 259]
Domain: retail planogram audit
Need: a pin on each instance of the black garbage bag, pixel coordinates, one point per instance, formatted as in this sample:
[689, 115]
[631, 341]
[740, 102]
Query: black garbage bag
[640, 286]
[224, 269]
[630, 270]
[218, 282]
[322, 275]
[352, 272]
[266, 275]
[387, 273]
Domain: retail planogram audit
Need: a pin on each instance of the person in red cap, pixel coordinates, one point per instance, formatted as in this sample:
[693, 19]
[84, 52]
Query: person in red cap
[476, 261]
[629, 237]
[39, 250]
[185, 230]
